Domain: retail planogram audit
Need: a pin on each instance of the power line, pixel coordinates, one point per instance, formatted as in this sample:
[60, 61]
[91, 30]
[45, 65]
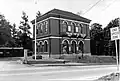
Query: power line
[108, 5]
[92, 6]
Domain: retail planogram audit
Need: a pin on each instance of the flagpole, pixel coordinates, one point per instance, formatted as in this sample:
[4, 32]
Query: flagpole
[35, 31]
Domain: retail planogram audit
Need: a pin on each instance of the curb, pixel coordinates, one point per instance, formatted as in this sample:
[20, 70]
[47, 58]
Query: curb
[66, 64]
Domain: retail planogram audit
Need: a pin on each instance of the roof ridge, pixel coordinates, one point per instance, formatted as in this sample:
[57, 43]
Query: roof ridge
[65, 14]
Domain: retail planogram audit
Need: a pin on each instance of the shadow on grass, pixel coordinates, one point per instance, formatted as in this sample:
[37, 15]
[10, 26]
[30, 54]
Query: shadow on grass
[9, 58]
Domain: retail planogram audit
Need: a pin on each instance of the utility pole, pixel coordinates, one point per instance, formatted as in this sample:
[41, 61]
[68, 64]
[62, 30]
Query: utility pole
[35, 30]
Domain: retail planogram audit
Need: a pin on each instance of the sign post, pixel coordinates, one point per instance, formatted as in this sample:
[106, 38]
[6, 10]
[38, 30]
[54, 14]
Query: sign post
[115, 35]
[25, 56]
[117, 56]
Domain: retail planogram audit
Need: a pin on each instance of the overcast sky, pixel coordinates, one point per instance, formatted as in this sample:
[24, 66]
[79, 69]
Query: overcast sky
[102, 13]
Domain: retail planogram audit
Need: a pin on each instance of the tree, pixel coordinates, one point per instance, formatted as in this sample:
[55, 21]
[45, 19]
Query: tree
[14, 31]
[80, 13]
[96, 32]
[38, 14]
[16, 35]
[24, 24]
[109, 46]
[96, 36]
[25, 36]
[5, 32]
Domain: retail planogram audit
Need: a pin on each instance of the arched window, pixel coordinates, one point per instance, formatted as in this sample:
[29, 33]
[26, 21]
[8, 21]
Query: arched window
[46, 26]
[65, 46]
[84, 28]
[73, 27]
[37, 47]
[41, 47]
[73, 47]
[80, 28]
[41, 27]
[45, 46]
[77, 29]
[64, 26]
[37, 28]
[69, 28]
[81, 46]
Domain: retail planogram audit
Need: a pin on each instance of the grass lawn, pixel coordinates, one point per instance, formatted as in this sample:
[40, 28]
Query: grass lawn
[111, 77]
[90, 59]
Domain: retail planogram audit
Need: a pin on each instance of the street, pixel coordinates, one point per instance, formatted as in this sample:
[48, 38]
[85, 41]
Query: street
[14, 71]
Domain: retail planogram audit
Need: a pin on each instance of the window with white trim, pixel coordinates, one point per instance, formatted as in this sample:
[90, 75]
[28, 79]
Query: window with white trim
[69, 28]
[73, 28]
[80, 28]
[64, 27]
[41, 28]
[46, 26]
[37, 26]
[76, 28]
[45, 46]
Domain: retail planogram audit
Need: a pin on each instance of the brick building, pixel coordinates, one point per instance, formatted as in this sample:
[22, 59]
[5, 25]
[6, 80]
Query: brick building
[62, 32]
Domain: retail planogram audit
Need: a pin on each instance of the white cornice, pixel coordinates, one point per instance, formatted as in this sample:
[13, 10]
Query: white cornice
[62, 19]
[59, 38]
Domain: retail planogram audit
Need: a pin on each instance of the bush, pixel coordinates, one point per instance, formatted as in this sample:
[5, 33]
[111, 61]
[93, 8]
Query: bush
[89, 59]
[30, 53]
[37, 57]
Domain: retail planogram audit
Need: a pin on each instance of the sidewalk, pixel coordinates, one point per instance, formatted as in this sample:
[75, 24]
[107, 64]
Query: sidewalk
[70, 64]
[58, 62]
[50, 62]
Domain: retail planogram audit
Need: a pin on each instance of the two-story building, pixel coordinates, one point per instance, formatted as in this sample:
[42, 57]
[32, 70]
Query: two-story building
[62, 32]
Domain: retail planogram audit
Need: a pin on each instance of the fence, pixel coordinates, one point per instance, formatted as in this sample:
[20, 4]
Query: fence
[11, 52]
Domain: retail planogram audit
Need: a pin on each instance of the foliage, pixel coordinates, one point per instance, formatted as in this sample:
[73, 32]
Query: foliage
[14, 31]
[25, 39]
[5, 32]
[24, 24]
[110, 45]
[38, 14]
[101, 39]
[96, 35]
[96, 32]
[10, 36]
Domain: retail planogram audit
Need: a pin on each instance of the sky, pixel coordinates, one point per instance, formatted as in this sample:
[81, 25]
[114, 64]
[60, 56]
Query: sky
[103, 12]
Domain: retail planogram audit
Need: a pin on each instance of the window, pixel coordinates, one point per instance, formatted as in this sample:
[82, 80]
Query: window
[37, 28]
[45, 46]
[41, 47]
[36, 31]
[64, 26]
[41, 28]
[73, 28]
[73, 47]
[80, 28]
[87, 29]
[84, 29]
[65, 47]
[69, 28]
[46, 26]
[76, 29]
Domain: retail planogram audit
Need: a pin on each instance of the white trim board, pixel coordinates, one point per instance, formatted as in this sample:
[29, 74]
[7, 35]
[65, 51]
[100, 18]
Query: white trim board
[62, 19]
[58, 38]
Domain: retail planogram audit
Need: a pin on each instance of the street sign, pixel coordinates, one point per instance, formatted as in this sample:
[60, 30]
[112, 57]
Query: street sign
[115, 33]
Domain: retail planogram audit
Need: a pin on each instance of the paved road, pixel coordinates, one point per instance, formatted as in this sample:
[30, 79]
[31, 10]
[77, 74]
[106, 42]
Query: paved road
[14, 71]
